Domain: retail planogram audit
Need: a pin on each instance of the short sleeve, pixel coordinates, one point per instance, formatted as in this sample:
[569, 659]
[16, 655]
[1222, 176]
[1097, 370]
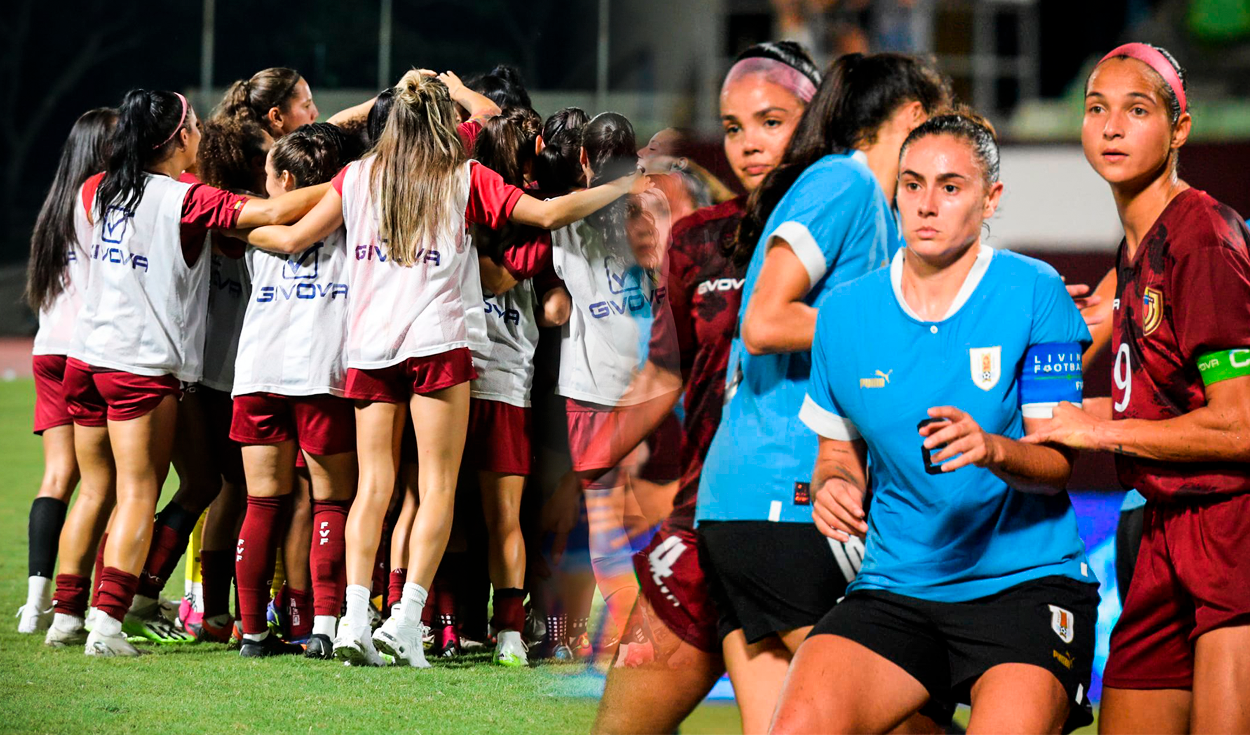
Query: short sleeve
[1050, 371]
[491, 199]
[817, 215]
[820, 409]
[1055, 316]
[1210, 300]
[529, 258]
[337, 181]
[210, 208]
[89, 188]
[675, 334]
[469, 130]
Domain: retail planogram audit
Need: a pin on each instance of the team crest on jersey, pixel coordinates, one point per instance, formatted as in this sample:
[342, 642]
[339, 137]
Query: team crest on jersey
[302, 266]
[116, 219]
[1152, 310]
[986, 366]
[1062, 622]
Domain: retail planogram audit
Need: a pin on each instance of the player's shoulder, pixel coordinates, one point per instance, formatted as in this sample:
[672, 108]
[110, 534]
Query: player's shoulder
[1015, 267]
[865, 292]
[847, 168]
[1197, 220]
[691, 226]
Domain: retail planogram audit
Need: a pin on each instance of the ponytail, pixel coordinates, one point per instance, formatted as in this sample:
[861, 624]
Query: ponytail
[148, 123]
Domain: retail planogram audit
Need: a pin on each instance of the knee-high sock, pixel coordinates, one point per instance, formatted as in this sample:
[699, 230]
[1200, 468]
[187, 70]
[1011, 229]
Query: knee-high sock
[254, 560]
[47, 515]
[328, 556]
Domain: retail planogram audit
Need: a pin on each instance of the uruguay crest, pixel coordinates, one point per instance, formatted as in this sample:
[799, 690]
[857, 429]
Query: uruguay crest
[986, 366]
[1152, 310]
[1062, 622]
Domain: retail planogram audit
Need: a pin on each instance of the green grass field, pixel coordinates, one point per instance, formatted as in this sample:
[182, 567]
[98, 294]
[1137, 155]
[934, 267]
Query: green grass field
[208, 688]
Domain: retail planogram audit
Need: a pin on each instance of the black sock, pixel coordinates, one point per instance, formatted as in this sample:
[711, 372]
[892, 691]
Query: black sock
[178, 519]
[47, 515]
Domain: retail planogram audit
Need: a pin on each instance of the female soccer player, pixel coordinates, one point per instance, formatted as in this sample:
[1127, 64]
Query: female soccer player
[977, 346]
[288, 389]
[761, 100]
[278, 99]
[1179, 412]
[55, 279]
[139, 334]
[405, 207]
[822, 217]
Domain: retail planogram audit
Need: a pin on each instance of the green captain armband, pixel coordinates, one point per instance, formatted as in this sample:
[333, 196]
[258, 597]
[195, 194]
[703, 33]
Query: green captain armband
[1223, 364]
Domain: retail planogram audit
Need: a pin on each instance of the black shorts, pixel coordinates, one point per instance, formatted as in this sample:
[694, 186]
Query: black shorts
[767, 577]
[947, 646]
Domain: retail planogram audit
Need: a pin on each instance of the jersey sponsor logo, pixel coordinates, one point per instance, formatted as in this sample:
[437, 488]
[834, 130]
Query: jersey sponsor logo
[880, 381]
[1152, 311]
[118, 256]
[378, 253]
[116, 220]
[1065, 661]
[303, 290]
[631, 303]
[986, 366]
[720, 284]
[303, 266]
[494, 309]
[1062, 622]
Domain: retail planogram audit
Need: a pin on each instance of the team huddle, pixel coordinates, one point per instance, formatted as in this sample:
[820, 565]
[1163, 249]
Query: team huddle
[438, 352]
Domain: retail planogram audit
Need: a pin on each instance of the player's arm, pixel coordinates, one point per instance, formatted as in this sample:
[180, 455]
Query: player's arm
[324, 219]
[556, 308]
[841, 481]
[777, 319]
[283, 209]
[552, 214]
[495, 278]
[354, 115]
[1032, 468]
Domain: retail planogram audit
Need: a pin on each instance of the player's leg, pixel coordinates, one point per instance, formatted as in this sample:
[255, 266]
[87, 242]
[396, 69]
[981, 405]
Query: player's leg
[270, 470]
[294, 602]
[1221, 694]
[218, 544]
[47, 516]
[333, 485]
[501, 504]
[402, 533]
[758, 672]
[1162, 711]
[1018, 698]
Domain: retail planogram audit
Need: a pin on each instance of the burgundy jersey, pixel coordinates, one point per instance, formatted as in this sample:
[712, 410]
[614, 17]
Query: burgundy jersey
[705, 293]
[1185, 292]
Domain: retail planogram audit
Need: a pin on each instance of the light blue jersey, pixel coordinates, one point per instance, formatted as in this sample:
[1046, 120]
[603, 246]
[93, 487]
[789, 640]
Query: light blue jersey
[837, 221]
[1009, 347]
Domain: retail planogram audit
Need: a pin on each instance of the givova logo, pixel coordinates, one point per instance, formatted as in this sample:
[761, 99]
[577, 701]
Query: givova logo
[303, 266]
[116, 221]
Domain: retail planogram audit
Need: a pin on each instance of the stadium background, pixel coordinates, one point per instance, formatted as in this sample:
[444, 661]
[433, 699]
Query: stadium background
[1023, 62]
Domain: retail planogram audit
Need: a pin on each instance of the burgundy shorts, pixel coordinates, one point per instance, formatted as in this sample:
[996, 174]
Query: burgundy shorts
[397, 383]
[320, 425]
[51, 409]
[1192, 576]
[499, 437]
[675, 587]
[593, 434]
[96, 396]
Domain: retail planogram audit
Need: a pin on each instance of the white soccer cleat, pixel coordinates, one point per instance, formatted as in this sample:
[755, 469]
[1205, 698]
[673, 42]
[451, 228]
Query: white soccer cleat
[66, 630]
[355, 647]
[30, 619]
[403, 642]
[511, 650]
[99, 644]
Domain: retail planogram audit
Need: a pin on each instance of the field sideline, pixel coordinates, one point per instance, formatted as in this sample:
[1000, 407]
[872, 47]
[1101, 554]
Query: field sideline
[204, 688]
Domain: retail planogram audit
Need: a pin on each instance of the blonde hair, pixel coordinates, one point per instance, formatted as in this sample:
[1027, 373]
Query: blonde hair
[414, 178]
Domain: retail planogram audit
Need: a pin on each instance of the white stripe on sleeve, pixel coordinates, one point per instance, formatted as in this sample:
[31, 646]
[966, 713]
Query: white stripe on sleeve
[826, 423]
[804, 245]
[1041, 410]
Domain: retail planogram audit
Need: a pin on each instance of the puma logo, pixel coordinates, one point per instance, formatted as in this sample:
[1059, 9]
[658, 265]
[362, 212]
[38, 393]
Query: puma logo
[885, 376]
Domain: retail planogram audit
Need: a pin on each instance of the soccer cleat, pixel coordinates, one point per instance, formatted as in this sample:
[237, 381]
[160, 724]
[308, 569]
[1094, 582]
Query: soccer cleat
[99, 644]
[403, 642]
[319, 646]
[270, 645]
[446, 642]
[580, 647]
[562, 653]
[511, 650]
[207, 631]
[70, 632]
[535, 629]
[151, 624]
[30, 619]
[355, 647]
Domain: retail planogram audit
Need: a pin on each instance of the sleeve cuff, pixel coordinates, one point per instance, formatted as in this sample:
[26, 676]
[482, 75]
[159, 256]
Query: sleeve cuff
[826, 423]
[804, 246]
[1042, 410]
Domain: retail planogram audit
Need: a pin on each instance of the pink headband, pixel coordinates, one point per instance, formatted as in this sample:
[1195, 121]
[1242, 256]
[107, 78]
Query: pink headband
[178, 127]
[1150, 56]
[781, 74]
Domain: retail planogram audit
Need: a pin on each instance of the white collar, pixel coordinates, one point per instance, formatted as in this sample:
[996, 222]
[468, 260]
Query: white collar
[982, 263]
[860, 156]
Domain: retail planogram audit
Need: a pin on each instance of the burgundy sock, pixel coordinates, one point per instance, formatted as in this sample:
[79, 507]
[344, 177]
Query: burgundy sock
[395, 590]
[509, 610]
[116, 592]
[99, 569]
[254, 560]
[444, 600]
[298, 618]
[380, 564]
[169, 540]
[72, 591]
[328, 556]
[216, 572]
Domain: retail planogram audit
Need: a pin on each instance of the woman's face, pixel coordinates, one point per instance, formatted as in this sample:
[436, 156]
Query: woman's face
[1127, 131]
[659, 157]
[300, 110]
[942, 197]
[276, 182]
[758, 117]
[191, 147]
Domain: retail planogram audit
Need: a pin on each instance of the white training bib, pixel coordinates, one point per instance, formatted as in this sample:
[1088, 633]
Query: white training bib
[403, 312]
[56, 322]
[296, 322]
[144, 308]
[505, 365]
[229, 286]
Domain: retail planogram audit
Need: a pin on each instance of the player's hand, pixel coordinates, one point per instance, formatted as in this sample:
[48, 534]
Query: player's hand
[962, 436]
[839, 510]
[454, 85]
[1070, 426]
[1086, 301]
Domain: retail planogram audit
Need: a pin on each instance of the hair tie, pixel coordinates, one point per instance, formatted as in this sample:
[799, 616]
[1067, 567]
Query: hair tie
[181, 120]
[1152, 57]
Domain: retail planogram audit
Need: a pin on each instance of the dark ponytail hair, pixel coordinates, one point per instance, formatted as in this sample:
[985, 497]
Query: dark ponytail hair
[856, 97]
[558, 168]
[312, 153]
[84, 153]
[505, 145]
[378, 114]
[612, 152]
[790, 53]
[503, 85]
[968, 126]
[230, 152]
[253, 98]
[147, 129]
